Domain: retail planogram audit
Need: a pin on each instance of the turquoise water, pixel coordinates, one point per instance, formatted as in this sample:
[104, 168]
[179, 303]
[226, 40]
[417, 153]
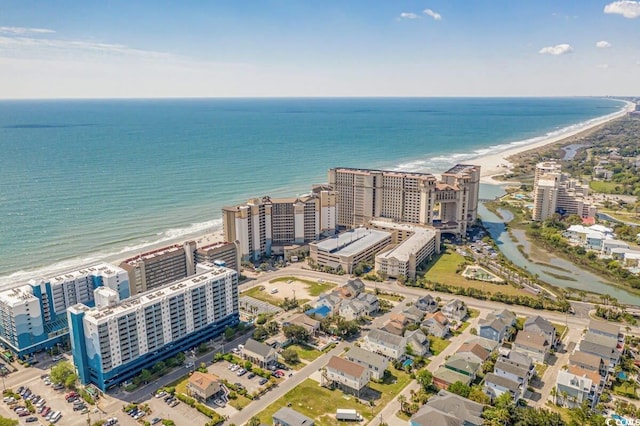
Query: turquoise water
[86, 180]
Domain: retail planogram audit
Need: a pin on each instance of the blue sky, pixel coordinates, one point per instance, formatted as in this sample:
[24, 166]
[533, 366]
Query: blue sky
[91, 49]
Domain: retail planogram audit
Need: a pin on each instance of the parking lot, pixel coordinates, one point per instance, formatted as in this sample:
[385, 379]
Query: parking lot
[221, 369]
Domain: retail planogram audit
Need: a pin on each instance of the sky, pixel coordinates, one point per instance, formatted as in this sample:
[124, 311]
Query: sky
[298, 48]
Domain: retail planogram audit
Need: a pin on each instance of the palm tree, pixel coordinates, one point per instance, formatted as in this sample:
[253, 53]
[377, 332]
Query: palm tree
[554, 394]
[402, 399]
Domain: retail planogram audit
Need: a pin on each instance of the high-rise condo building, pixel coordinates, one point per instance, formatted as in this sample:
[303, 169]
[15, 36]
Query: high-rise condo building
[449, 204]
[221, 254]
[114, 340]
[265, 226]
[556, 192]
[159, 267]
[33, 316]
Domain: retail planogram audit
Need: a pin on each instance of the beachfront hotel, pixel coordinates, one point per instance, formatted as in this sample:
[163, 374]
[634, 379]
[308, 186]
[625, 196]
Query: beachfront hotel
[112, 341]
[449, 204]
[164, 265]
[33, 316]
[556, 192]
[266, 226]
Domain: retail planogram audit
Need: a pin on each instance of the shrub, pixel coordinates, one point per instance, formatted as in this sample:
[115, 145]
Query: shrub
[186, 399]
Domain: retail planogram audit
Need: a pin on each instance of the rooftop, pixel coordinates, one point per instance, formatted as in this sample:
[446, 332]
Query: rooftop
[154, 253]
[579, 357]
[426, 176]
[403, 251]
[531, 339]
[365, 356]
[353, 241]
[343, 365]
[502, 382]
[17, 295]
[604, 327]
[203, 380]
[291, 417]
[99, 315]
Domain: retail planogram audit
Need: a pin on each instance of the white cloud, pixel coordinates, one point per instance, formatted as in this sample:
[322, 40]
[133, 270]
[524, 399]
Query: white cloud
[603, 44]
[602, 66]
[434, 15]
[558, 49]
[627, 8]
[409, 15]
[22, 30]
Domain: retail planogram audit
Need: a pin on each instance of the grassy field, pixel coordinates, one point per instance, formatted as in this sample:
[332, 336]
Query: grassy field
[625, 216]
[443, 270]
[314, 288]
[263, 295]
[561, 329]
[305, 352]
[603, 187]
[437, 344]
[320, 404]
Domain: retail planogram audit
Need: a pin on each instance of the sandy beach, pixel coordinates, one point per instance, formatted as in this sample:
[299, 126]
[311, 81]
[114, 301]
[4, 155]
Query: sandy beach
[498, 164]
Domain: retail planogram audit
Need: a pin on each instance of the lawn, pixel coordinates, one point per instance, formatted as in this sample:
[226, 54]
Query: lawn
[305, 352]
[313, 288]
[443, 270]
[604, 187]
[320, 404]
[560, 329]
[240, 402]
[263, 295]
[540, 369]
[437, 344]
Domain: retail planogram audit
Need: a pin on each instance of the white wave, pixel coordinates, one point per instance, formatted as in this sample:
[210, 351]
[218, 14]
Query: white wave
[443, 162]
[170, 235]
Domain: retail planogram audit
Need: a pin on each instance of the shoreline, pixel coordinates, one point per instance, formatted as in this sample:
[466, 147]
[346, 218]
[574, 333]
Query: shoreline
[498, 164]
[491, 165]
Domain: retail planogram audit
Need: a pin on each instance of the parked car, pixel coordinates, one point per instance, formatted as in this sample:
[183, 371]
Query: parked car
[263, 381]
[219, 402]
[31, 419]
[156, 420]
[174, 403]
[251, 375]
[160, 394]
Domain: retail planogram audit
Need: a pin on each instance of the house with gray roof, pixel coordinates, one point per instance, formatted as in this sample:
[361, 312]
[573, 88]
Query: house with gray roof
[538, 324]
[463, 364]
[605, 347]
[330, 300]
[512, 372]
[352, 288]
[444, 377]
[437, 324]
[493, 328]
[589, 362]
[289, 417]
[371, 301]
[385, 343]
[418, 342]
[353, 309]
[259, 353]
[377, 364]
[495, 385]
[488, 344]
[604, 328]
[535, 345]
[455, 310]
[448, 409]
[427, 303]
[520, 359]
[413, 314]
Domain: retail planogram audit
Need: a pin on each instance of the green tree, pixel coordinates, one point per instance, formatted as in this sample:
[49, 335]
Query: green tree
[254, 421]
[459, 388]
[145, 375]
[476, 394]
[296, 333]
[8, 422]
[290, 356]
[260, 333]
[180, 357]
[64, 373]
[229, 333]
[425, 379]
[159, 367]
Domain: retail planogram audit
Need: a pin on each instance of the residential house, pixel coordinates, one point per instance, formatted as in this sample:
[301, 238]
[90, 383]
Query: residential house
[520, 359]
[330, 301]
[573, 389]
[395, 326]
[507, 316]
[413, 314]
[377, 364]
[437, 324]
[488, 344]
[203, 386]
[370, 301]
[427, 304]
[455, 310]
[462, 364]
[353, 309]
[259, 353]
[540, 325]
[495, 385]
[349, 376]
[493, 328]
[418, 342]
[444, 377]
[289, 417]
[514, 372]
[448, 409]
[305, 321]
[605, 328]
[384, 343]
[351, 289]
[589, 362]
[473, 352]
[535, 345]
[606, 347]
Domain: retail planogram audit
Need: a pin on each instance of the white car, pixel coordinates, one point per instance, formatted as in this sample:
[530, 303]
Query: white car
[235, 367]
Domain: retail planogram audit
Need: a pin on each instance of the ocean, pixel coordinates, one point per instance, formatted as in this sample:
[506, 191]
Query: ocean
[87, 180]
